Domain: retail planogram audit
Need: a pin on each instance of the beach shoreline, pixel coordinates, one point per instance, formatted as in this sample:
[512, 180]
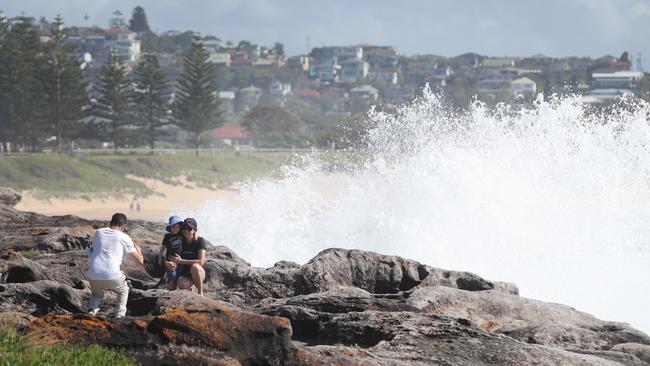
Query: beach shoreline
[157, 206]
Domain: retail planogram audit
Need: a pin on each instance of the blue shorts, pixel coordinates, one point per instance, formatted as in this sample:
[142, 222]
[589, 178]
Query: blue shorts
[171, 276]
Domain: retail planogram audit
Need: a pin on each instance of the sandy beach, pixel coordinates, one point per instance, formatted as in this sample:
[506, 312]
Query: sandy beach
[166, 199]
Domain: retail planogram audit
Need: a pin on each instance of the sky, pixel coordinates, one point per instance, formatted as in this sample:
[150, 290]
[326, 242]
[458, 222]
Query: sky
[496, 28]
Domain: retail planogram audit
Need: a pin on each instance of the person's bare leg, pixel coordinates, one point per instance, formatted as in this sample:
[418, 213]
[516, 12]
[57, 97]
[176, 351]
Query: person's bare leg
[198, 275]
[171, 285]
[184, 283]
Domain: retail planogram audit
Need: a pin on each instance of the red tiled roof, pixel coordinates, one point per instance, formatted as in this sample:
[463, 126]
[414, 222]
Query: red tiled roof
[307, 93]
[235, 132]
[117, 30]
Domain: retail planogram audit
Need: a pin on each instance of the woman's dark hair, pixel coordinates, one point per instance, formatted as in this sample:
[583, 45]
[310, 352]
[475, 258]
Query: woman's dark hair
[118, 219]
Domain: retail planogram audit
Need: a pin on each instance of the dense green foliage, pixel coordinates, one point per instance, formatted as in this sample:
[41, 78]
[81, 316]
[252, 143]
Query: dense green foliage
[18, 350]
[42, 92]
[64, 92]
[115, 103]
[138, 22]
[272, 126]
[197, 106]
[24, 97]
[150, 105]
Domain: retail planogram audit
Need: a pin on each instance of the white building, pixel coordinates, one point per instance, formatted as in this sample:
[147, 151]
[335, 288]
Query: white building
[617, 80]
[227, 99]
[353, 69]
[278, 92]
[127, 46]
[388, 75]
[325, 69]
[523, 86]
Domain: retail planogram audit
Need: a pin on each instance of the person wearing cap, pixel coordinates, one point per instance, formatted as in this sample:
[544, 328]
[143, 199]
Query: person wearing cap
[192, 258]
[171, 245]
[109, 246]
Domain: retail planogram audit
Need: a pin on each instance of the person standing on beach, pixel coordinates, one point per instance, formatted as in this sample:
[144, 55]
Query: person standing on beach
[192, 258]
[171, 245]
[109, 246]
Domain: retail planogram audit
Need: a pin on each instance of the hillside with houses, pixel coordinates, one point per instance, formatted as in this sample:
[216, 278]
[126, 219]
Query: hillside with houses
[335, 85]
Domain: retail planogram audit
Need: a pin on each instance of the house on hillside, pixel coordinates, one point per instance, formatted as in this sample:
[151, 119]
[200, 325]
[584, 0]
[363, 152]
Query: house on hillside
[127, 46]
[523, 87]
[617, 80]
[232, 135]
[387, 75]
[362, 97]
[466, 62]
[212, 45]
[353, 70]
[278, 92]
[247, 98]
[300, 63]
[381, 56]
[227, 99]
[220, 59]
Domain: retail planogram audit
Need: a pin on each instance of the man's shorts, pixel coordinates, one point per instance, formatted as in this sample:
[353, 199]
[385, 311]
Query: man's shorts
[171, 276]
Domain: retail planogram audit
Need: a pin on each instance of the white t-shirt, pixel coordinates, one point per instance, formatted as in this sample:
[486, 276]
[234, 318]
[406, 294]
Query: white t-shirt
[109, 247]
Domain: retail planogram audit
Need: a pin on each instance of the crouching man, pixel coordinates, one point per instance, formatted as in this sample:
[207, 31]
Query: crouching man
[192, 258]
[109, 246]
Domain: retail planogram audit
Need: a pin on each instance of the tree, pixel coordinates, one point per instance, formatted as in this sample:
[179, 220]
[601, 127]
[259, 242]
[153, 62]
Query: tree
[64, 88]
[278, 49]
[25, 97]
[114, 105]
[273, 126]
[4, 84]
[244, 44]
[138, 22]
[197, 107]
[625, 56]
[151, 85]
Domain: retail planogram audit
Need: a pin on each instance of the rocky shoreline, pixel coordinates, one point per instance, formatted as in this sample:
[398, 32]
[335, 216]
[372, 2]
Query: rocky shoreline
[343, 307]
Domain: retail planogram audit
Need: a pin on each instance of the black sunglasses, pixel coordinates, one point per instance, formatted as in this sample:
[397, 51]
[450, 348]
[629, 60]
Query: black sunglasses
[187, 228]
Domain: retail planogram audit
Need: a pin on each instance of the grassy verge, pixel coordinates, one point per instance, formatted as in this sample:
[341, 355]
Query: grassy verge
[16, 350]
[62, 175]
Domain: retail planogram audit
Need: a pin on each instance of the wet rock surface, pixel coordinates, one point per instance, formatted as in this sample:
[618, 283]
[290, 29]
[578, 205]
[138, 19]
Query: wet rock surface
[344, 307]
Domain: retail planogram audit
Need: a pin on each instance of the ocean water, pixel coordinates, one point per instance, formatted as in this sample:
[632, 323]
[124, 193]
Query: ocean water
[549, 198]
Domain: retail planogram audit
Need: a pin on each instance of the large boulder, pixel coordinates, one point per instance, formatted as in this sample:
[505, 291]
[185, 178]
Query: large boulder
[377, 273]
[256, 283]
[527, 320]
[14, 268]
[208, 325]
[70, 268]
[415, 338]
[9, 196]
[47, 238]
[39, 298]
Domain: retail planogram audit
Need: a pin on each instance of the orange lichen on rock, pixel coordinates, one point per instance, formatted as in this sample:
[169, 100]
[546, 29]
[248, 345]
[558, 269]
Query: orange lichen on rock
[489, 325]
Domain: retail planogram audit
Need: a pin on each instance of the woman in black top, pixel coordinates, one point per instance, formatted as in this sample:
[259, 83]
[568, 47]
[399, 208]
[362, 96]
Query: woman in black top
[192, 258]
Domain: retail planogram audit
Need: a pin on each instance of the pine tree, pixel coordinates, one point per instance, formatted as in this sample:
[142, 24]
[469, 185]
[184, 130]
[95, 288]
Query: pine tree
[4, 85]
[138, 22]
[151, 85]
[197, 105]
[63, 85]
[25, 96]
[114, 105]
